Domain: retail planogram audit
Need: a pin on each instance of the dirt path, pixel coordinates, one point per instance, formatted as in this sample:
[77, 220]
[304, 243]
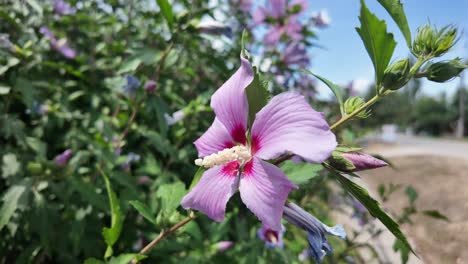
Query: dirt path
[438, 170]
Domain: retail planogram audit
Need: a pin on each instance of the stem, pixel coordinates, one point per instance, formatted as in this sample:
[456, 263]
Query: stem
[417, 65]
[355, 112]
[166, 233]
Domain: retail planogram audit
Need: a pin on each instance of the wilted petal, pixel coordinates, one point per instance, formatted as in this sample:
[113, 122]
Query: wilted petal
[215, 139]
[229, 102]
[363, 161]
[264, 188]
[278, 8]
[273, 36]
[272, 238]
[213, 191]
[288, 123]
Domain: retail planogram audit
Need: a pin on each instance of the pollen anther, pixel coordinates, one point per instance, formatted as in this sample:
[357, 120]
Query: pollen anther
[239, 153]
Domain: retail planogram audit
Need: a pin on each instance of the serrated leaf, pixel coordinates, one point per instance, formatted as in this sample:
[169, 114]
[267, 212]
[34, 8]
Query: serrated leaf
[396, 11]
[10, 165]
[166, 10]
[336, 89]
[257, 96]
[372, 206]
[170, 194]
[111, 235]
[143, 210]
[300, 173]
[10, 203]
[436, 214]
[379, 44]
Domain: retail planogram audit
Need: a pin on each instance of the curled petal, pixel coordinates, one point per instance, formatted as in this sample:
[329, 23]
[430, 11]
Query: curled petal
[213, 191]
[229, 102]
[288, 124]
[215, 139]
[263, 189]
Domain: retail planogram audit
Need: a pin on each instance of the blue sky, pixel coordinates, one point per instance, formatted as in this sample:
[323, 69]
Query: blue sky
[345, 58]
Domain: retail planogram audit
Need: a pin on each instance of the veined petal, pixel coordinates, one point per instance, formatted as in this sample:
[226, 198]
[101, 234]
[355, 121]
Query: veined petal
[229, 102]
[215, 139]
[263, 189]
[213, 191]
[288, 124]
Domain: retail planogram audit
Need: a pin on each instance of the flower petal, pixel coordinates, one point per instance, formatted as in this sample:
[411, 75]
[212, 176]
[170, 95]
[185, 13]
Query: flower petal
[229, 102]
[288, 123]
[278, 8]
[259, 15]
[213, 191]
[263, 189]
[215, 139]
[273, 35]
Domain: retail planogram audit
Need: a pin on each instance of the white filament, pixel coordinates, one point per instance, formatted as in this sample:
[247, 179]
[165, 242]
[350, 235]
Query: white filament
[239, 153]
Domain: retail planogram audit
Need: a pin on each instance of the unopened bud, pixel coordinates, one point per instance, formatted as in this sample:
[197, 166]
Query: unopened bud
[362, 161]
[444, 70]
[353, 103]
[150, 86]
[431, 42]
[63, 158]
[396, 75]
[223, 245]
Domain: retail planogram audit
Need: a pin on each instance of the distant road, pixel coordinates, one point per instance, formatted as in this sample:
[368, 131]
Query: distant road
[414, 145]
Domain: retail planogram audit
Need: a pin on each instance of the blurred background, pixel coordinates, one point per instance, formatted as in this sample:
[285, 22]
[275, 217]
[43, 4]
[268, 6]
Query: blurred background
[121, 88]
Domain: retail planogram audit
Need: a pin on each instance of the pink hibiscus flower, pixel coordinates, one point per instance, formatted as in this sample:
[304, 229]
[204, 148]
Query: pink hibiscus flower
[237, 159]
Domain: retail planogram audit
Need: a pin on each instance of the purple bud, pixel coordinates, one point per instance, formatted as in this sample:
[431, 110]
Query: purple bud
[363, 161]
[144, 180]
[150, 86]
[63, 158]
[223, 245]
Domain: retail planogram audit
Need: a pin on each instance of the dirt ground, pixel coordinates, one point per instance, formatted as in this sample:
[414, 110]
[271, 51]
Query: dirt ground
[442, 184]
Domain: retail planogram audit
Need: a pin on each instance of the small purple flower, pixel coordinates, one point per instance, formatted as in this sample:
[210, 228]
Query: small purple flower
[278, 20]
[150, 86]
[63, 158]
[363, 161]
[295, 54]
[223, 245]
[272, 238]
[237, 160]
[63, 8]
[175, 117]
[132, 85]
[321, 19]
[214, 28]
[316, 230]
[59, 45]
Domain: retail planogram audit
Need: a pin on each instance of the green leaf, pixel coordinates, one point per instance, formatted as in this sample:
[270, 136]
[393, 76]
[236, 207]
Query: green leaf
[37, 145]
[300, 173]
[10, 203]
[4, 89]
[337, 91]
[257, 96]
[89, 194]
[170, 194]
[166, 10]
[93, 261]
[143, 210]
[10, 165]
[111, 235]
[372, 206]
[411, 193]
[396, 11]
[436, 214]
[399, 246]
[379, 44]
[130, 65]
[125, 258]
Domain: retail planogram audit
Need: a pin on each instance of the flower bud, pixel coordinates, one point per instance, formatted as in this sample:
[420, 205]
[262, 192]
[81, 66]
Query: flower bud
[444, 70]
[223, 245]
[150, 86]
[362, 161]
[396, 75]
[431, 42]
[353, 103]
[63, 158]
